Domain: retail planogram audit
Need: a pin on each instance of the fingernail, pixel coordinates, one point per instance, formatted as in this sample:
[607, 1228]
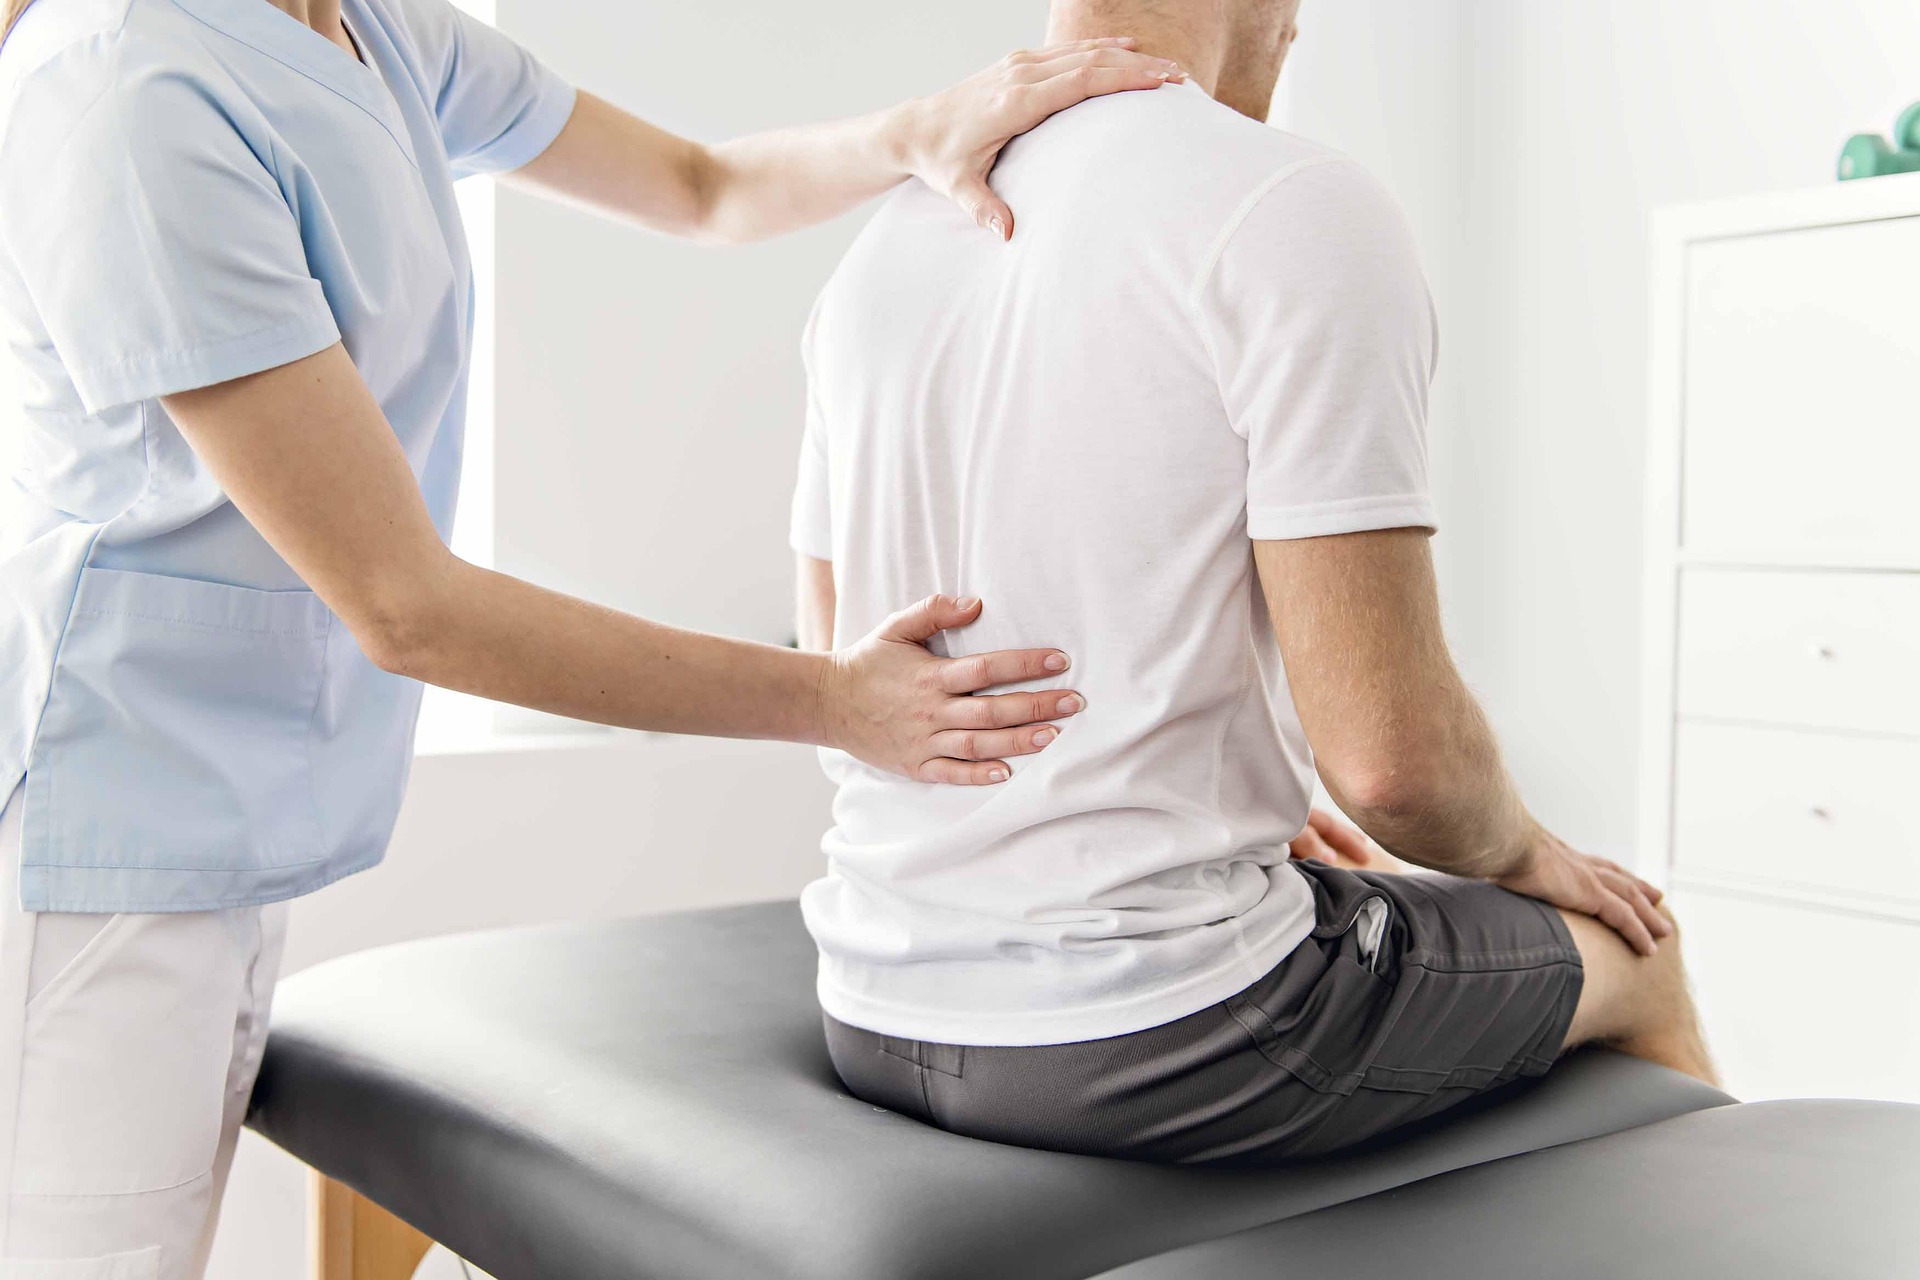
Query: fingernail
[1044, 736]
[998, 227]
[965, 604]
[996, 775]
[1070, 705]
[1055, 662]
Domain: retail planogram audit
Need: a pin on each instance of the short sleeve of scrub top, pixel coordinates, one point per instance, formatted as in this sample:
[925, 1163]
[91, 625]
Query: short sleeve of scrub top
[158, 249]
[498, 107]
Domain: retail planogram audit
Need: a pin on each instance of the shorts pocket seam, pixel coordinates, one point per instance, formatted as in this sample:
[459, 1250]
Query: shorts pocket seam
[1298, 1063]
[1517, 960]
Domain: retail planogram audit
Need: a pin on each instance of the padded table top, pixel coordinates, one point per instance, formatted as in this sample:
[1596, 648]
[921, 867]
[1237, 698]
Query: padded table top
[652, 1098]
[1766, 1191]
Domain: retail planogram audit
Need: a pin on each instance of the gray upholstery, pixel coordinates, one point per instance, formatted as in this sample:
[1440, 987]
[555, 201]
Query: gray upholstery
[1767, 1191]
[653, 1099]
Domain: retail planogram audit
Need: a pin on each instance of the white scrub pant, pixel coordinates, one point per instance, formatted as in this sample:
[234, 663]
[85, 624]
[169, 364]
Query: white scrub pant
[128, 1049]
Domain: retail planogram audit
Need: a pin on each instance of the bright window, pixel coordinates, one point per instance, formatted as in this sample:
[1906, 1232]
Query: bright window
[450, 720]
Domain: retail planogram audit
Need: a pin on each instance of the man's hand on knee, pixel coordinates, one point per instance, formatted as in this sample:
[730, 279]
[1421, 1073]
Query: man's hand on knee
[1575, 881]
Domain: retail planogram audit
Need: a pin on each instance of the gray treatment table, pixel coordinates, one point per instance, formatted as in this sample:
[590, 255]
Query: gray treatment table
[652, 1099]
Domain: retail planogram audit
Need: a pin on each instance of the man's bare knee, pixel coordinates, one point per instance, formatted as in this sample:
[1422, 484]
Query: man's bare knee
[1625, 995]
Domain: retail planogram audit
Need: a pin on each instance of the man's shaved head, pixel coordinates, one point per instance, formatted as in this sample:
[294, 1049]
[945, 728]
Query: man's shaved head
[1232, 48]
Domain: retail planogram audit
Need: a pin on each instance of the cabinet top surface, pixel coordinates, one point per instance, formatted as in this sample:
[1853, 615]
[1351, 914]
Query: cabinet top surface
[1863, 200]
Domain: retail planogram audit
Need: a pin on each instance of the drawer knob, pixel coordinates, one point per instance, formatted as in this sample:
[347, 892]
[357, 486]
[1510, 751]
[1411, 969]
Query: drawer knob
[1821, 812]
[1823, 652]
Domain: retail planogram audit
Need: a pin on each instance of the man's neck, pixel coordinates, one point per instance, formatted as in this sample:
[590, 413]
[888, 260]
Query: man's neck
[322, 15]
[1201, 49]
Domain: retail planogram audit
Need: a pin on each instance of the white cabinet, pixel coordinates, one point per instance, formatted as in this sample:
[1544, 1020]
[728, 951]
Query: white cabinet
[1802, 389]
[1802, 1003]
[1781, 785]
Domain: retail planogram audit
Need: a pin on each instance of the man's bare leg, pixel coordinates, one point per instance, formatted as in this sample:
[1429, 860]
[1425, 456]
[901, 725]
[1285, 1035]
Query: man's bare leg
[1636, 1004]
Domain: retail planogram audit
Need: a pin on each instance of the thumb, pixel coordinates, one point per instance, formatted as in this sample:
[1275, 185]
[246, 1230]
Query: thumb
[984, 207]
[930, 617]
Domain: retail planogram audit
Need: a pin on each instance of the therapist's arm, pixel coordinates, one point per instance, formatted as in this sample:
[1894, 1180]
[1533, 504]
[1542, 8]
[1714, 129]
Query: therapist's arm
[770, 183]
[308, 458]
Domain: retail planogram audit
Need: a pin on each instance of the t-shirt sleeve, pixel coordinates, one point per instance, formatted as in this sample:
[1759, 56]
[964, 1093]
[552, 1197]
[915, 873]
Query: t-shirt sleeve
[811, 532]
[155, 245]
[1323, 336]
[497, 105]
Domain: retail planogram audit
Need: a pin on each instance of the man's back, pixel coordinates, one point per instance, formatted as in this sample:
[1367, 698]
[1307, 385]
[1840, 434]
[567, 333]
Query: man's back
[1202, 330]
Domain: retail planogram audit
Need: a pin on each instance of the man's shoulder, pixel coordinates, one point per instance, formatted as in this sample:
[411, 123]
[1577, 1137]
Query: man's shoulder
[1168, 163]
[1158, 178]
[1195, 142]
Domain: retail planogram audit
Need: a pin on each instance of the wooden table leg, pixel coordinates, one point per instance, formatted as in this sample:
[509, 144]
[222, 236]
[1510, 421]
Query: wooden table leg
[355, 1239]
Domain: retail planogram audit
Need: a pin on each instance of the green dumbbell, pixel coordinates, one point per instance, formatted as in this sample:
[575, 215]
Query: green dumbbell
[1868, 155]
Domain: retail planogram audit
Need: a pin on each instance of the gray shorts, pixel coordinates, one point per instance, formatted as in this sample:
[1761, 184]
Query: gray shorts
[1469, 988]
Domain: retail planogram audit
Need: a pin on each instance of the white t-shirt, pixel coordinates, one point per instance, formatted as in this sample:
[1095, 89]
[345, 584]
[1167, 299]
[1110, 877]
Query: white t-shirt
[1204, 331]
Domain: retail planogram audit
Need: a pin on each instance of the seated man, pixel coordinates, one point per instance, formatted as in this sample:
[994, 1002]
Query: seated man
[1176, 426]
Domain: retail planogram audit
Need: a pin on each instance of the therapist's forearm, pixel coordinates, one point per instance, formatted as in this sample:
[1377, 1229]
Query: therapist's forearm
[618, 165]
[498, 637]
[759, 186]
[307, 456]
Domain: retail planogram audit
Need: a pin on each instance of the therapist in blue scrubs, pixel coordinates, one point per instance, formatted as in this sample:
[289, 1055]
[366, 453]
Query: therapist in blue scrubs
[234, 280]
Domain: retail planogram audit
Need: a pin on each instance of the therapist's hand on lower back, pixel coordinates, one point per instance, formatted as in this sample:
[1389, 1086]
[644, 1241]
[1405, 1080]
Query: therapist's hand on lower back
[311, 462]
[894, 705]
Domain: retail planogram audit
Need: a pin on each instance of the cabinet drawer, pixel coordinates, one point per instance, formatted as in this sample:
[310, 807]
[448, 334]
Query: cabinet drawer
[1799, 1003]
[1802, 422]
[1813, 816]
[1828, 650]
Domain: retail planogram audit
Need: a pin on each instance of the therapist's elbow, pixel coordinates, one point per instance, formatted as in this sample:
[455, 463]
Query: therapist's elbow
[398, 643]
[401, 628]
[712, 215]
[398, 650]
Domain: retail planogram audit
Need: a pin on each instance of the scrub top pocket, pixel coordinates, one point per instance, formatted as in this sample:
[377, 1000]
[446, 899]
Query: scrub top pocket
[177, 730]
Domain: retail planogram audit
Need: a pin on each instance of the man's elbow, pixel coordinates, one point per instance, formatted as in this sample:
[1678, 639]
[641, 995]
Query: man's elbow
[1395, 788]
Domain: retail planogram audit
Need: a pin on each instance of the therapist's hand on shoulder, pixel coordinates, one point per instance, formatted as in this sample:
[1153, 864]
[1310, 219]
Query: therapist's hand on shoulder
[952, 138]
[896, 706]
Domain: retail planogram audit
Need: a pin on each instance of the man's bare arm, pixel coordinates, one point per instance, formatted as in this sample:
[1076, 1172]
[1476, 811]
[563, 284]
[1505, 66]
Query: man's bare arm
[814, 603]
[1400, 741]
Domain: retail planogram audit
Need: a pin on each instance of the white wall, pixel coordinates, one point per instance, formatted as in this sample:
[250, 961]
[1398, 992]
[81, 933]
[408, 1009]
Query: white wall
[1557, 128]
[650, 390]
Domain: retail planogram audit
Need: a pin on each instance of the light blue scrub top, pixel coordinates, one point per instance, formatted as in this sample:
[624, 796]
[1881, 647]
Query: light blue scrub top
[196, 190]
